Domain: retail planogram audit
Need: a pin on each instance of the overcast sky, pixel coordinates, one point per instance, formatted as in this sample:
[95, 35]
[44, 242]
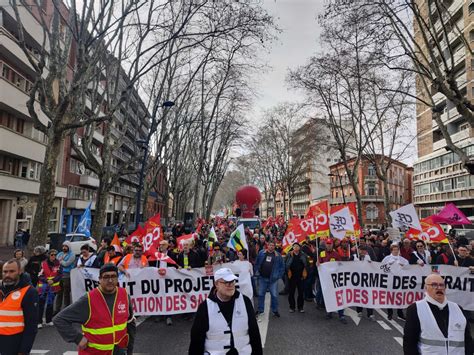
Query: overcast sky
[297, 42]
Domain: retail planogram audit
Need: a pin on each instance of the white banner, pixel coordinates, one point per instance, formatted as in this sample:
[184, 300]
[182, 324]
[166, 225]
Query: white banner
[374, 285]
[178, 291]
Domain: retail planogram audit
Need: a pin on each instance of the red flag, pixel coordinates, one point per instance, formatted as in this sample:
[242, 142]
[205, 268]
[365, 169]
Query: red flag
[451, 215]
[355, 220]
[136, 236]
[431, 233]
[183, 238]
[153, 233]
[316, 223]
[293, 234]
[154, 254]
[116, 243]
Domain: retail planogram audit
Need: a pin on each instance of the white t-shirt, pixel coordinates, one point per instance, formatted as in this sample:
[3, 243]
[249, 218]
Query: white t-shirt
[392, 259]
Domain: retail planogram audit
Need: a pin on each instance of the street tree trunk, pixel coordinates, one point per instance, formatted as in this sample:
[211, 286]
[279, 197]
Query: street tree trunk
[100, 208]
[46, 194]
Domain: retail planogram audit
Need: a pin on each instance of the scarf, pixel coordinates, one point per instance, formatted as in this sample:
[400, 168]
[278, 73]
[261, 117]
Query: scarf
[436, 303]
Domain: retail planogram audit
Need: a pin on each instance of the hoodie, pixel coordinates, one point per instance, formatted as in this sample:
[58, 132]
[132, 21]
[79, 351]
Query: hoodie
[201, 323]
[23, 342]
[67, 260]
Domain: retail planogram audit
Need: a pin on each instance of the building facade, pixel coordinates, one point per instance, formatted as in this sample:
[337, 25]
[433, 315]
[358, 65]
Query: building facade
[371, 189]
[438, 175]
[22, 147]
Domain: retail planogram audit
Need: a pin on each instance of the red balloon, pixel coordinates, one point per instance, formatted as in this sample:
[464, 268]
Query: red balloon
[248, 198]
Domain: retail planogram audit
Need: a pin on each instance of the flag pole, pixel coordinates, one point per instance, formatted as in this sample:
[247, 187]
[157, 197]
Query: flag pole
[454, 255]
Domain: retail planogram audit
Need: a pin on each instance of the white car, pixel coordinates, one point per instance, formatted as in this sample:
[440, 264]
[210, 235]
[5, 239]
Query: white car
[77, 241]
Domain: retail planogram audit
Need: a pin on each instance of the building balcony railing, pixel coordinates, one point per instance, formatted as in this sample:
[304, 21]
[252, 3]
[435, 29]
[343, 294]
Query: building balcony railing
[372, 198]
[340, 200]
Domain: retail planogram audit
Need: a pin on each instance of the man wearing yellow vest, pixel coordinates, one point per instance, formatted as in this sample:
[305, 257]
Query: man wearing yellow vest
[101, 333]
[18, 311]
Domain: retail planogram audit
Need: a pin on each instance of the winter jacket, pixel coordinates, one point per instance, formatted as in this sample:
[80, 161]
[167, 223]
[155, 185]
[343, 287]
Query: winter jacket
[278, 266]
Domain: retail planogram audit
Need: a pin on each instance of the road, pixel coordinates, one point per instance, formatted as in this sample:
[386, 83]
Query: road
[293, 333]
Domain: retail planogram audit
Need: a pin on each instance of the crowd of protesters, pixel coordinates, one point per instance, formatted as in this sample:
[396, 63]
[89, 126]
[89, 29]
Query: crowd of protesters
[49, 271]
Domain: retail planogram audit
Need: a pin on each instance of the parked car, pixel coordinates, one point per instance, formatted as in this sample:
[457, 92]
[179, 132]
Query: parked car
[77, 241]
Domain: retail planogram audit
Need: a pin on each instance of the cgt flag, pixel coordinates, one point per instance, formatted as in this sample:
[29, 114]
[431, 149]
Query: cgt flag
[340, 222]
[316, 222]
[293, 234]
[186, 238]
[431, 233]
[405, 218]
[85, 222]
[136, 236]
[238, 240]
[451, 215]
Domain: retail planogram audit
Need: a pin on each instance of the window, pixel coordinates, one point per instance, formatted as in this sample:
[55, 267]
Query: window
[448, 185]
[24, 169]
[372, 212]
[471, 8]
[371, 190]
[371, 170]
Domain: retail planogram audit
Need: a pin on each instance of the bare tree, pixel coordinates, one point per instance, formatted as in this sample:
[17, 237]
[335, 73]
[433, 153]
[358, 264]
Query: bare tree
[434, 40]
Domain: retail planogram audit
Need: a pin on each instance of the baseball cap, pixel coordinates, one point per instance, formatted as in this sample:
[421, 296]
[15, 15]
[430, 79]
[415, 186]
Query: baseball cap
[329, 241]
[225, 274]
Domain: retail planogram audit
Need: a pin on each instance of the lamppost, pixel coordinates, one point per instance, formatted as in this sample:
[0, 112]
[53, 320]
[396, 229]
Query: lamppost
[340, 184]
[144, 145]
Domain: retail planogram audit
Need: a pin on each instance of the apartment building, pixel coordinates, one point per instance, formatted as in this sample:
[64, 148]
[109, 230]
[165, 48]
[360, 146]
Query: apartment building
[438, 175]
[371, 188]
[22, 147]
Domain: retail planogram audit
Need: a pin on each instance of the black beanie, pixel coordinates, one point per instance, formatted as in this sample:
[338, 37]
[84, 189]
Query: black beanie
[107, 268]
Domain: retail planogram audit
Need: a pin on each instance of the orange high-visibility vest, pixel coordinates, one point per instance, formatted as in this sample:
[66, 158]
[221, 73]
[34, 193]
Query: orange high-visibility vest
[12, 320]
[103, 330]
[128, 258]
[115, 260]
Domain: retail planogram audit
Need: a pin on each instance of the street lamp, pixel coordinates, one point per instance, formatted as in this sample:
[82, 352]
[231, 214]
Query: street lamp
[340, 183]
[144, 145]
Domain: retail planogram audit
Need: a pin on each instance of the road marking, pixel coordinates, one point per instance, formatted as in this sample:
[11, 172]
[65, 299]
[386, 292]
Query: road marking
[399, 340]
[70, 353]
[353, 314]
[140, 320]
[39, 351]
[263, 320]
[384, 325]
[392, 322]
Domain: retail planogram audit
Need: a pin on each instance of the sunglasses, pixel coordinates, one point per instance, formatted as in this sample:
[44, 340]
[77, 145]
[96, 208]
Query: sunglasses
[53, 254]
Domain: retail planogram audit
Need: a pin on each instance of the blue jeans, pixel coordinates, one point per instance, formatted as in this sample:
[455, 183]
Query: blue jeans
[263, 286]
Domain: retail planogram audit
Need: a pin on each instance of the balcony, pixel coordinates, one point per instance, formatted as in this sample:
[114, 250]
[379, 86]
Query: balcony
[340, 200]
[439, 144]
[19, 185]
[372, 198]
[79, 204]
[14, 97]
[370, 178]
[459, 136]
[21, 146]
[98, 137]
[9, 46]
[87, 180]
[438, 97]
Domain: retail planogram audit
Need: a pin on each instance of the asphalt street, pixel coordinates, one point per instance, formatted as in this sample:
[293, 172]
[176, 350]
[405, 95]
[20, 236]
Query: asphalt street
[293, 333]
